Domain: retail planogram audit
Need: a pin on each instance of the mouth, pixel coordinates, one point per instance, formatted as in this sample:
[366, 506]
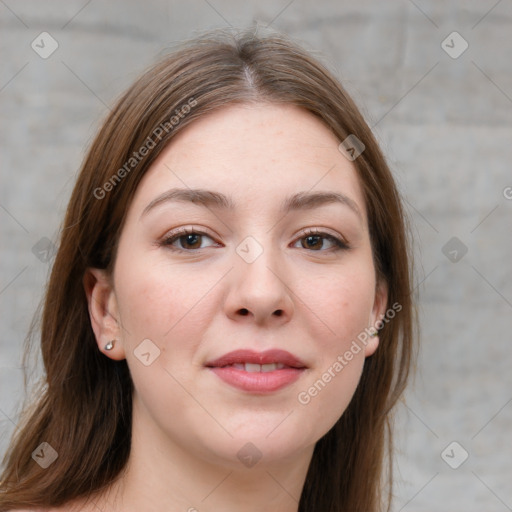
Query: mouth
[255, 367]
[258, 372]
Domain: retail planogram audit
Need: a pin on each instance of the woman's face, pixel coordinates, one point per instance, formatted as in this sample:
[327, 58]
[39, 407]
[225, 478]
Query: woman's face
[267, 265]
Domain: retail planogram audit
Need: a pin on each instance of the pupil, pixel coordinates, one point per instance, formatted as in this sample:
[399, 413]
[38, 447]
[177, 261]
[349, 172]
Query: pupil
[191, 239]
[314, 239]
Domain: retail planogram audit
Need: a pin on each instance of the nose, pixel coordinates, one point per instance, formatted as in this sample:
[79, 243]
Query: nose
[260, 291]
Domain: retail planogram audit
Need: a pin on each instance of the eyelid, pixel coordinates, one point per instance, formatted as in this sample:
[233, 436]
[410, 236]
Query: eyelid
[322, 231]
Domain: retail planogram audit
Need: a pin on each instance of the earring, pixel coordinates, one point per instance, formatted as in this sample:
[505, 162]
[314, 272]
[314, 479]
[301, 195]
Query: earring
[373, 334]
[110, 345]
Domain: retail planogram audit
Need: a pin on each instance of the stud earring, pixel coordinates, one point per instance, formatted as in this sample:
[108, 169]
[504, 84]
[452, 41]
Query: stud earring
[373, 334]
[110, 345]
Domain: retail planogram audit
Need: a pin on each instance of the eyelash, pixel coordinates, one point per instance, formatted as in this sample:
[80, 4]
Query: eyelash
[339, 244]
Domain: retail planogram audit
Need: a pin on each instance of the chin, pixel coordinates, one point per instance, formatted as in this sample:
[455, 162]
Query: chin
[260, 445]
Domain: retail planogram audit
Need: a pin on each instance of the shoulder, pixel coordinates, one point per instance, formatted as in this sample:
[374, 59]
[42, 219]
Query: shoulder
[76, 505]
[51, 509]
[33, 510]
[28, 510]
[63, 508]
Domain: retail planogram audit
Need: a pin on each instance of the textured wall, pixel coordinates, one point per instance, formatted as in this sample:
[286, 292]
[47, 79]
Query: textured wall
[443, 113]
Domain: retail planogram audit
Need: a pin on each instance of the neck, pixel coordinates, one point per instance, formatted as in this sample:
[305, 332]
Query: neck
[163, 476]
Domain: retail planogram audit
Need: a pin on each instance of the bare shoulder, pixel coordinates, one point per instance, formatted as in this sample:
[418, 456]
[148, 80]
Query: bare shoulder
[64, 508]
[30, 510]
[38, 509]
[75, 505]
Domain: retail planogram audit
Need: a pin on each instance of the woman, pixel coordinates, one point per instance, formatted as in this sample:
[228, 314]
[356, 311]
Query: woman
[228, 321]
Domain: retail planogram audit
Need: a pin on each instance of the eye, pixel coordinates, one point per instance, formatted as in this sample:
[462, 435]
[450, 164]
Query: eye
[190, 240]
[315, 240]
[187, 239]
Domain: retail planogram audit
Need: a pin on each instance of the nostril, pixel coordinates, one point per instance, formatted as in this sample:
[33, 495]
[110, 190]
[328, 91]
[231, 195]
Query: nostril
[245, 312]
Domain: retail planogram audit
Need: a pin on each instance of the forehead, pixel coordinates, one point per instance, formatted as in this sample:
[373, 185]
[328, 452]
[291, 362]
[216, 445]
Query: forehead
[255, 153]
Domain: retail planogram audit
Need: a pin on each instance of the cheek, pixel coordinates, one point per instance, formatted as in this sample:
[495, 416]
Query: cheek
[162, 304]
[343, 304]
[171, 306]
[339, 305]
[155, 299]
[329, 391]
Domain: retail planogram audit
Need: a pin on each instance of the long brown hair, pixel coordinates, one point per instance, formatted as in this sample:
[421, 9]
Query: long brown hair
[84, 408]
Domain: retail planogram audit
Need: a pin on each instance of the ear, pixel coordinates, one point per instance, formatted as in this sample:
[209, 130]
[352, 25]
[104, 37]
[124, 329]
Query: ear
[378, 312]
[103, 312]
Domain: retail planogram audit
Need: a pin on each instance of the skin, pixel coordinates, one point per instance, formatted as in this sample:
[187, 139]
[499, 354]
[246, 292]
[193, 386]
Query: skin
[188, 425]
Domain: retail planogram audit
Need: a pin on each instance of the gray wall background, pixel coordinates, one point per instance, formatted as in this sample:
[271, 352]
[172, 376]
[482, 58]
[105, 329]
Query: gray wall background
[444, 119]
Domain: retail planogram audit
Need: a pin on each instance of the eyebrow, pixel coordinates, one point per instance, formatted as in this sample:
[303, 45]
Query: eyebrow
[219, 201]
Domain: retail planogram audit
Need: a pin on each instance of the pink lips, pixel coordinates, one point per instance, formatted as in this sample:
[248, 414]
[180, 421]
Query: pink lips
[277, 369]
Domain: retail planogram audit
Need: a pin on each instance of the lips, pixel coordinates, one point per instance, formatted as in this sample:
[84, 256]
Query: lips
[262, 359]
[258, 372]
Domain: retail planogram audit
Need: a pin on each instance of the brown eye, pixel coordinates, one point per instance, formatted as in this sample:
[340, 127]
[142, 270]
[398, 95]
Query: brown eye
[186, 240]
[190, 241]
[316, 241]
